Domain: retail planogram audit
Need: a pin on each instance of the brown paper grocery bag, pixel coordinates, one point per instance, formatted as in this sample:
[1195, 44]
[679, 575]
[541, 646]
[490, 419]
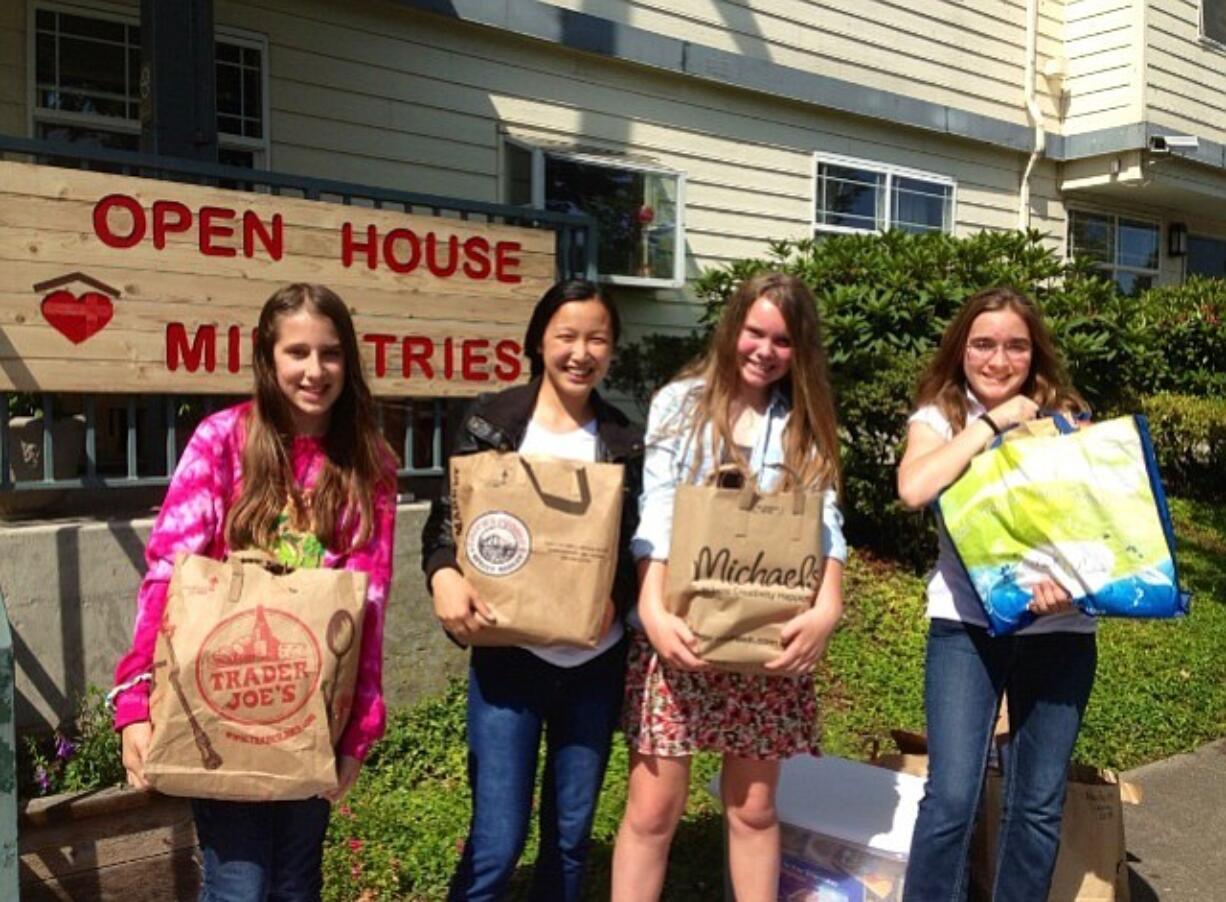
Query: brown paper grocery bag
[538, 539]
[740, 565]
[253, 678]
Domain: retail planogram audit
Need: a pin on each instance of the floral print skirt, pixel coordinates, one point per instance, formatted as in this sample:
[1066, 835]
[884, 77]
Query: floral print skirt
[674, 713]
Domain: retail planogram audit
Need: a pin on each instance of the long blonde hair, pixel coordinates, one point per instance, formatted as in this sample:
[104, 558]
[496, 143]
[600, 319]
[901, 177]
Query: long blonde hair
[943, 382]
[810, 440]
[355, 454]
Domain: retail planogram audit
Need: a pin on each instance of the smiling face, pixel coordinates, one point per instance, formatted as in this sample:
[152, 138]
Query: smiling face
[763, 348]
[310, 367]
[997, 356]
[577, 347]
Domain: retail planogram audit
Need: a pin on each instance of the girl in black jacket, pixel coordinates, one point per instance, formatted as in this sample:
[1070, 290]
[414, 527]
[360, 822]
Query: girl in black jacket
[573, 695]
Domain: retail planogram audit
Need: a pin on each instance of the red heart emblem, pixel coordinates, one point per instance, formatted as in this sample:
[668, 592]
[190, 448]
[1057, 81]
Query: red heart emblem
[77, 318]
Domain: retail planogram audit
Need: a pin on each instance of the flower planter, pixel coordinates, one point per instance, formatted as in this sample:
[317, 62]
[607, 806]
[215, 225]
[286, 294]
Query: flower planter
[108, 844]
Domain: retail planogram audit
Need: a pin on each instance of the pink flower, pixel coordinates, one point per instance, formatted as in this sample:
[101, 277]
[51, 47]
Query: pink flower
[355, 845]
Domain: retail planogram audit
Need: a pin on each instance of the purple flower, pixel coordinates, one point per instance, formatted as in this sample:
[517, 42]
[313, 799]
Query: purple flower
[42, 778]
[65, 748]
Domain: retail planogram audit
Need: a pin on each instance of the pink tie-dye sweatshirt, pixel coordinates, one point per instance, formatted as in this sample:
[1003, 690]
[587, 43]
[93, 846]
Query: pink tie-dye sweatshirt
[192, 520]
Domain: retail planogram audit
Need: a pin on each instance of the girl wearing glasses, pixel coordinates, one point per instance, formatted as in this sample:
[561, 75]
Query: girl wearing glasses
[995, 368]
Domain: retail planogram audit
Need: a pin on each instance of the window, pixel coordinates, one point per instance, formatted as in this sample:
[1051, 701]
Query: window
[857, 196]
[1213, 20]
[638, 208]
[86, 85]
[1206, 256]
[1126, 249]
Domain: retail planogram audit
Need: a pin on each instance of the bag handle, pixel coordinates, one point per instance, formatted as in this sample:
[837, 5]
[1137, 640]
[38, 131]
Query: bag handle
[566, 505]
[256, 556]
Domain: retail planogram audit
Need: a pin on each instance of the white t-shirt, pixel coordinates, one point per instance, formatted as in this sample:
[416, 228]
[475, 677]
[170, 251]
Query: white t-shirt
[950, 593]
[578, 444]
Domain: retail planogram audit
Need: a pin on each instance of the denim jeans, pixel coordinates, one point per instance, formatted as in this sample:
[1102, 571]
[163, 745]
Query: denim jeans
[256, 851]
[1048, 678]
[514, 696]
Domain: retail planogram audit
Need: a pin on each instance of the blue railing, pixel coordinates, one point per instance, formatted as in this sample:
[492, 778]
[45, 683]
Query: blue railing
[424, 418]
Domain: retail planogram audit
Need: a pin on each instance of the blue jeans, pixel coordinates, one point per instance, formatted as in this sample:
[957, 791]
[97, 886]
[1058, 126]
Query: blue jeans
[256, 851]
[512, 697]
[1048, 678]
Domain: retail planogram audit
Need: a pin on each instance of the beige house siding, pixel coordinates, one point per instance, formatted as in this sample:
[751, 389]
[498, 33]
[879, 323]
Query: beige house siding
[962, 55]
[13, 68]
[1103, 40]
[1185, 75]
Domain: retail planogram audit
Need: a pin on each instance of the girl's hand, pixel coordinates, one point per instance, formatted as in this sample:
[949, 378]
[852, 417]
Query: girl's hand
[1013, 412]
[673, 641]
[804, 639]
[135, 739]
[457, 606]
[347, 769]
[1049, 598]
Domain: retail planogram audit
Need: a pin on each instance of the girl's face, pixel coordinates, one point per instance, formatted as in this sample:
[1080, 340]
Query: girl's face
[997, 356]
[310, 366]
[763, 348]
[577, 347]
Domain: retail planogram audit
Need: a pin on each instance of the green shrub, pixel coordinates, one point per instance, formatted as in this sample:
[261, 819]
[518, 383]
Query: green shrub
[1187, 326]
[1189, 436]
[85, 756]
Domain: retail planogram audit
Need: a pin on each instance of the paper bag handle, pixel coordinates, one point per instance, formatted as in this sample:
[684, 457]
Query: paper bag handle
[566, 505]
[250, 556]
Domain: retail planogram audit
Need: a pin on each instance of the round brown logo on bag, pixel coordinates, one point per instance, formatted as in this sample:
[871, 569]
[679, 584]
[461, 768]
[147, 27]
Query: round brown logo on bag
[498, 543]
[258, 667]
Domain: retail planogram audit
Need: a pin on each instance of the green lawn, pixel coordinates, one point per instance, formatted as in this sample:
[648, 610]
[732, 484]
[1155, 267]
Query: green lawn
[1161, 689]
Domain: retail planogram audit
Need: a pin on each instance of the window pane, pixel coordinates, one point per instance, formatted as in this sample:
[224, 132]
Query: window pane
[1215, 19]
[45, 20]
[44, 58]
[229, 90]
[852, 198]
[1206, 256]
[251, 57]
[1138, 244]
[1133, 283]
[920, 206]
[92, 66]
[252, 102]
[229, 53]
[1092, 236]
[518, 161]
[230, 125]
[252, 128]
[636, 213]
[102, 29]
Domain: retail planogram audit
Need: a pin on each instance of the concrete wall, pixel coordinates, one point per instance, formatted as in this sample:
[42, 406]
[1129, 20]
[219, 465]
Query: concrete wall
[70, 588]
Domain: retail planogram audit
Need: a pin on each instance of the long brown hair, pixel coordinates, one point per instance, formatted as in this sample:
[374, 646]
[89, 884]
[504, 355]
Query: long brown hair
[943, 382]
[810, 439]
[355, 454]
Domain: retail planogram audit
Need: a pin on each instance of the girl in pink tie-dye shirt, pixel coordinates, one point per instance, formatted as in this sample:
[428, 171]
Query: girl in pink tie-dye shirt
[300, 470]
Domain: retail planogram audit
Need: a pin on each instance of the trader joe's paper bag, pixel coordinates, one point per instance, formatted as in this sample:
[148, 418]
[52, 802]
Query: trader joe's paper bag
[253, 678]
[537, 538]
[740, 565]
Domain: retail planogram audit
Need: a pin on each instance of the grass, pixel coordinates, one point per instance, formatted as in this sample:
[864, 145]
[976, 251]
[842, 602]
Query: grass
[1160, 689]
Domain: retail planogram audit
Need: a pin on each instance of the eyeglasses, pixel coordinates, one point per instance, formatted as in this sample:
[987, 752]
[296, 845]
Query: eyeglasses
[983, 348]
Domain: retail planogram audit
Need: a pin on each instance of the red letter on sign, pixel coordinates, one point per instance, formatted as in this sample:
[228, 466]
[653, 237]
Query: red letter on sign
[210, 230]
[394, 263]
[509, 365]
[418, 349]
[505, 263]
[102, 226]
[204, 345]
[273, 239]
[234, 336]
[453, 255]
[169, 216]
[380, 342]
[477, 250]
[348, 246]
[472, 359]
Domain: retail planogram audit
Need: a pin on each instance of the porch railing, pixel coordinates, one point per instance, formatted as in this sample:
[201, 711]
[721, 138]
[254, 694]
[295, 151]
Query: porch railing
[152, 425]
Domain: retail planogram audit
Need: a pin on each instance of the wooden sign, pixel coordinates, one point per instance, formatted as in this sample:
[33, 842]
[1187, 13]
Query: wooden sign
[118, 284]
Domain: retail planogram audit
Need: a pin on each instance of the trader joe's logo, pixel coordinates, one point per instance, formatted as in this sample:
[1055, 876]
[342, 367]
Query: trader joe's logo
[76, 305]
[258, 667]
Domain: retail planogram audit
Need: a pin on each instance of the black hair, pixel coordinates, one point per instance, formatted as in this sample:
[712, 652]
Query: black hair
[551, 301]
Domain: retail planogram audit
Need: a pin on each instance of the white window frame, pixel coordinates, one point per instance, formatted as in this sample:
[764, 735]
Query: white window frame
[1208, 41]
[611, 162]
[259, 147]
[1113, 267]
[890, 172]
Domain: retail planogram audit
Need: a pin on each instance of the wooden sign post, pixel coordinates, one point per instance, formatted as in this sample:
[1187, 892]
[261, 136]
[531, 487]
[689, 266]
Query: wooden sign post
[117, 284]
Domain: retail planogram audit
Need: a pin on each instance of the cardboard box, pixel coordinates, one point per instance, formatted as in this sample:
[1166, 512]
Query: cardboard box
[846, 830]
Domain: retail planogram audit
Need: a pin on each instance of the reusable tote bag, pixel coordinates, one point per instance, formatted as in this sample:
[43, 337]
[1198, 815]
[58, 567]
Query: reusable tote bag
[253, 678]
[1084, 508]
[537, 537]
[740, 565]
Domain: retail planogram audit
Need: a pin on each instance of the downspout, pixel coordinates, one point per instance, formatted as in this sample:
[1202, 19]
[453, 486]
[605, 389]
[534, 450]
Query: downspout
[1033, 113]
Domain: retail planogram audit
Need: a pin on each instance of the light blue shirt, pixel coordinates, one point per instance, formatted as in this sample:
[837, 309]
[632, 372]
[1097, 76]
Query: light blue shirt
[669, 458]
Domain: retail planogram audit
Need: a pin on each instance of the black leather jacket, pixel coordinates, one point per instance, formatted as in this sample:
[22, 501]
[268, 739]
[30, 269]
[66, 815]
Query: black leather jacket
[497, 422]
